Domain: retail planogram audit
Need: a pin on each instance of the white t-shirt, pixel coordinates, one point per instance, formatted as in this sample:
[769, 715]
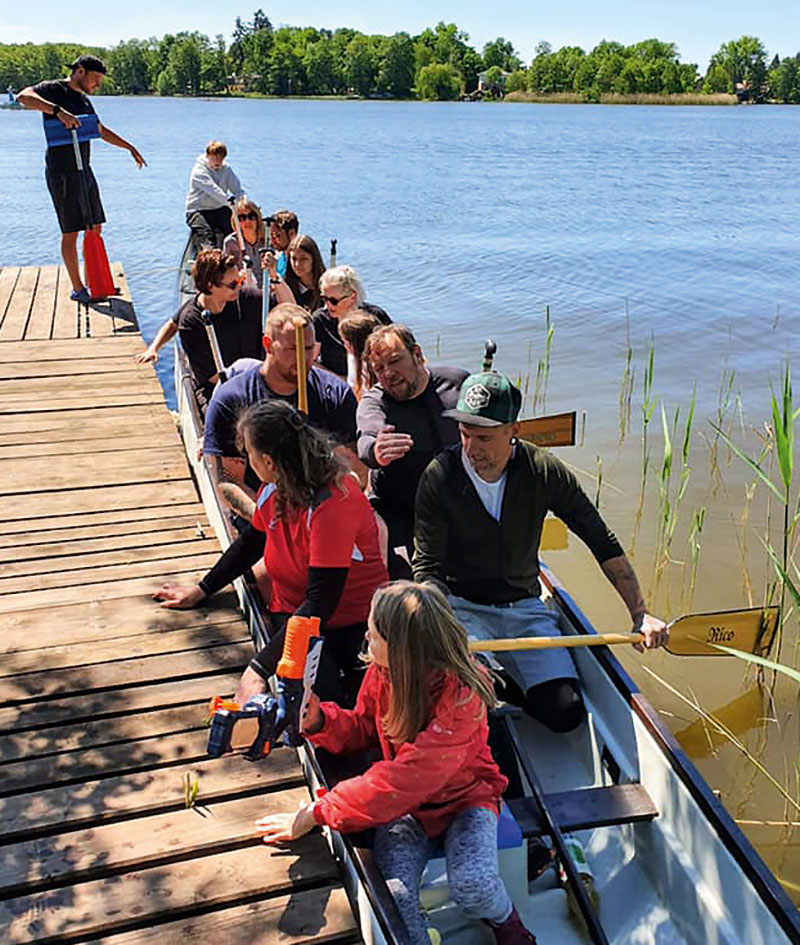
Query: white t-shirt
[491, 493]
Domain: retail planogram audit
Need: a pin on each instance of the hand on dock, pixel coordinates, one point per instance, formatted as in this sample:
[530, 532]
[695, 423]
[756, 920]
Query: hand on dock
[179, 597]
[146, 357]
[283, 828]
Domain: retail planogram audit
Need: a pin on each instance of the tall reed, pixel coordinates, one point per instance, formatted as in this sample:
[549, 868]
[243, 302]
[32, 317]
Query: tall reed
[649, 402]
[543, 366]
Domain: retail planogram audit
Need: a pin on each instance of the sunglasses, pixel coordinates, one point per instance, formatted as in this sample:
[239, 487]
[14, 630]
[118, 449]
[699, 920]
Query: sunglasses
[330, 300]
[247, 216]
[231, 285]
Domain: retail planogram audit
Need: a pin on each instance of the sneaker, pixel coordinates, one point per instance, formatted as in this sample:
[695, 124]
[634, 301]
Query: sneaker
[81, 296]
[512, 931]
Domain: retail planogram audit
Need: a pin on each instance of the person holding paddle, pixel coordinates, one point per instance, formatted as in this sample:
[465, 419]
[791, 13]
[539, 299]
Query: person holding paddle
[75, 194]
[480, 508]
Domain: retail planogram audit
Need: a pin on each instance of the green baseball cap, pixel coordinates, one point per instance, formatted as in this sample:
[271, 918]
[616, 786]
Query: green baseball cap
[487, 399]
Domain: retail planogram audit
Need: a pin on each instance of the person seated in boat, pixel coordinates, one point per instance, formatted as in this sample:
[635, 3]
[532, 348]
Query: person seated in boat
[423, 705]
[480, 509]
[401, 426]
[331, 403]
[211, 185]
[235, 314]
[283, 227]
[253, 231]
[354, 330]
[303, 272]
[318, 537]
[341, 293]
[238, 312]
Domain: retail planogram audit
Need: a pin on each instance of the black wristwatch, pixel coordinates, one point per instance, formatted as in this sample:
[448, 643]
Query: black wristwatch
[56, 110]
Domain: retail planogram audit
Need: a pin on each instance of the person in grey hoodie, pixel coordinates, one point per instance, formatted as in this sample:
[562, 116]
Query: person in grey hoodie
[208, 211]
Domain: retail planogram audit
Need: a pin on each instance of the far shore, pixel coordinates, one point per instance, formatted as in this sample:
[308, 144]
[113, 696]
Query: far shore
[618, 98]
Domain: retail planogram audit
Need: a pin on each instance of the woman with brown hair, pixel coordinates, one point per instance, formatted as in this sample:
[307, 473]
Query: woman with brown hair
[303, 272]
[254, 237]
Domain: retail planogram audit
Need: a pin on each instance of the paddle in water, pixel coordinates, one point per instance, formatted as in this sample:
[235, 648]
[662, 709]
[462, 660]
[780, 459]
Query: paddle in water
[750, 630]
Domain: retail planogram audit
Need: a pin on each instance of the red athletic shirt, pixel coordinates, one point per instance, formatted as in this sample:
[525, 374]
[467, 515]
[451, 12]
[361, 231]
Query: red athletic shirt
[337, 531]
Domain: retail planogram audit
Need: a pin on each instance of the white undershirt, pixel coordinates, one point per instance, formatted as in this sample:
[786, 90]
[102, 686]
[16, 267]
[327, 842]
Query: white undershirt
[490, 493]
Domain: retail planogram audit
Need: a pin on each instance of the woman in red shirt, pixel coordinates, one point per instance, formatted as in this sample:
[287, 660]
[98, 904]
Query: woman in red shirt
[319, 539]
[437, 778]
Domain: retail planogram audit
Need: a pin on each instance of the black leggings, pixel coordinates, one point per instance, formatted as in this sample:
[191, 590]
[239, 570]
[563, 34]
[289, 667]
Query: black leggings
[340, 669]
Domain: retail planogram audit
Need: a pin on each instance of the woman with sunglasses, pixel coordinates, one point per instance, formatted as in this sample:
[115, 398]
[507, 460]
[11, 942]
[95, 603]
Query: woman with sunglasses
[303, 271]
[341, 293]
[254, 236]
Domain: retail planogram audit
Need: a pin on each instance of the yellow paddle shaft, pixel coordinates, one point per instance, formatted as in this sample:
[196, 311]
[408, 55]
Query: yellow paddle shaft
[548, 643]
[302, 373]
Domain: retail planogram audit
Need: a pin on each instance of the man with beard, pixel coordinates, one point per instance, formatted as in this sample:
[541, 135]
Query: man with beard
[401, 427]
[75, 194]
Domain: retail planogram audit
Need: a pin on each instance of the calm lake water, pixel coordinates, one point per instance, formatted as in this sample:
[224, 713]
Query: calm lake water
[670, 227]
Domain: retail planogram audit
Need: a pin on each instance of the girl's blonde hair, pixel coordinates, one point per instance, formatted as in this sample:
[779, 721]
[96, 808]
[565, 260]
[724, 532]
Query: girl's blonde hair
[422, 635]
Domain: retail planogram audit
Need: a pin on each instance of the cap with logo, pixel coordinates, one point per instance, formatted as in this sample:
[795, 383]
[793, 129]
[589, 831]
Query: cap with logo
[487, 399]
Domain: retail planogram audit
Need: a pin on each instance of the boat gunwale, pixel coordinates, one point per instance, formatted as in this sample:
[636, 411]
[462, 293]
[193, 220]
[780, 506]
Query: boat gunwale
[733, 838]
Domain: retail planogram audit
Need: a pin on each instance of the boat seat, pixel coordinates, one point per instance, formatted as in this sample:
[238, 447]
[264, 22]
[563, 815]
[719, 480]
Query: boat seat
[585, 808]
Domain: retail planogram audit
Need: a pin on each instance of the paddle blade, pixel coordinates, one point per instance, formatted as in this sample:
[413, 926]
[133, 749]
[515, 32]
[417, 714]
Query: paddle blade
[95, 263]
[750, 630]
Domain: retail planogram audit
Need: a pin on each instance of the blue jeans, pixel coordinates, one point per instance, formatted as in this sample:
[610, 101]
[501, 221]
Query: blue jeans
[470, 847]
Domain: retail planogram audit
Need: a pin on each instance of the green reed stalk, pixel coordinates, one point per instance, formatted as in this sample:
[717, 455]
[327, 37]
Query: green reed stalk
[628, 378]
[598, 480]
[543, 367]
[695, 533]
[648, 407]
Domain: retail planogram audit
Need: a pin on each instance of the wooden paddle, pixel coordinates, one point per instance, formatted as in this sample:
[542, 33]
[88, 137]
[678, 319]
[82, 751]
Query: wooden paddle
[750, 630]
[302, 373]
[556, 430]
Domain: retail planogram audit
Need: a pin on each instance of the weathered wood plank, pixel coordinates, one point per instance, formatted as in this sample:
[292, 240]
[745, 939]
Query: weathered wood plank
[8, 281]
[123, 584]
[28, 717]
[19, 306]
[65, 316]
[33, 774]
[75, 447]
[129, 382]
[21, 403]
[139, 844]
[34, 686]
[41, 474]
[72, 367]
[316, 915]
[28, 540]
[113, 799]
[90, 421]
[40, 322]
[105, 553]
[101, 732]
[86, 524]
[147, 643]
[68, 502]
[173, 556]
[57, 349]
[137, 899]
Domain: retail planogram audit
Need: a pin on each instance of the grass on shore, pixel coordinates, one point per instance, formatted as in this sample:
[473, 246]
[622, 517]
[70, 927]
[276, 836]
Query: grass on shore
[617, 98]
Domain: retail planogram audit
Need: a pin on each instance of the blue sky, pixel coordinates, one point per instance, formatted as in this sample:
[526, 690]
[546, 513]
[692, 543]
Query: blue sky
[697, 26]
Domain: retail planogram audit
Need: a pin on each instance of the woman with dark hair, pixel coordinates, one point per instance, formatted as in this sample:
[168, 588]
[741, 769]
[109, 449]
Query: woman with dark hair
[303, 272]
[319, 539]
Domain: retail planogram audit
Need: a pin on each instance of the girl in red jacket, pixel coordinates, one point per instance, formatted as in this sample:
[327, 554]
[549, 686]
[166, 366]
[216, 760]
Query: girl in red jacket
[436, 779]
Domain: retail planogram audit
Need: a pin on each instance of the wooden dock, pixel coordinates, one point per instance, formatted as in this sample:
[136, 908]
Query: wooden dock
[102, 693]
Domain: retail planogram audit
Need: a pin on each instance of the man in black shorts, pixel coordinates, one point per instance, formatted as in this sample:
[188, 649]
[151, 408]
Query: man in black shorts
[62, 100]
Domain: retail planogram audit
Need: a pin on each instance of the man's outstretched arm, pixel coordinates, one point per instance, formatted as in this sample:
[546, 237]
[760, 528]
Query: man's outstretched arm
[113, 138]
[620, 573]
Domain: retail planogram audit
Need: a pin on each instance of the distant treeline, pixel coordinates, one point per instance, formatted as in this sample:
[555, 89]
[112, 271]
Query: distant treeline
[436, 64]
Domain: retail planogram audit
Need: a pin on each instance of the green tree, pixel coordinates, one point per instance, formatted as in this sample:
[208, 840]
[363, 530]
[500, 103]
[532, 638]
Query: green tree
[744, 61]
[396, 66]
[132, 64]
[320, 63]
[439, 82]
[500, 52]
[360, 66]
[784, 81]
[517, 81]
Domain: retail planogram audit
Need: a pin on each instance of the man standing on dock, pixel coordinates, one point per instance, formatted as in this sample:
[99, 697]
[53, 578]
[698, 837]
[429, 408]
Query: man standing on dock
[62, 100]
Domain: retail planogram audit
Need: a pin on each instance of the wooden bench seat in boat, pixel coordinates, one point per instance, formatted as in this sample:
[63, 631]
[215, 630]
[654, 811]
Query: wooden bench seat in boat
[586, 808]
